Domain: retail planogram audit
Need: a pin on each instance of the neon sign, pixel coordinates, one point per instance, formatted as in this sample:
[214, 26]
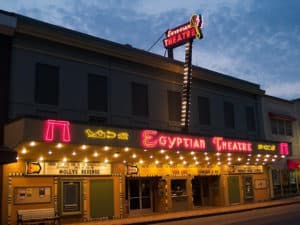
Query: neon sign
[227, 145]
[154, 139]
[183, 33]
[283, 148]
[106, 134]
[266, 147]
[61, 125]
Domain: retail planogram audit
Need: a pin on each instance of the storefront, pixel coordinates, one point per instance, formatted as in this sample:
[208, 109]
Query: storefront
[285, 178]
[73, 167]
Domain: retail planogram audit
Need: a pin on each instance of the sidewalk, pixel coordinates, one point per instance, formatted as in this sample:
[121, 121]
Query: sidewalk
[193, 213]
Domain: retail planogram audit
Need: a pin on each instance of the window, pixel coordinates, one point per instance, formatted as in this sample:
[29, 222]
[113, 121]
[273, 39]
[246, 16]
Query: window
[229, 115]
[71, 197]
[174, 104]
[47, 84]
[250, 118]
[97, 93]
[139, 99]
[281, 127]
[288, 128]
[204, 110]
[178, 187]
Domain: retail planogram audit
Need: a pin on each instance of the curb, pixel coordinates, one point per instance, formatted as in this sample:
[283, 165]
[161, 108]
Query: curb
[208, 214]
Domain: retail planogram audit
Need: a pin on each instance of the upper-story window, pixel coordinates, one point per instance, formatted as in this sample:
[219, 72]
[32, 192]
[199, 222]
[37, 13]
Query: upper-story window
[281, 127]
[229, 115]
[46, 84]
[97, 93]
[174, 104]
[139, 96]
[204, 110]
[250, 118]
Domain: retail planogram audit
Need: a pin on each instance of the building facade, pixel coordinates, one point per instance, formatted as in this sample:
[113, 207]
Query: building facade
[96, 122]
[281, 124]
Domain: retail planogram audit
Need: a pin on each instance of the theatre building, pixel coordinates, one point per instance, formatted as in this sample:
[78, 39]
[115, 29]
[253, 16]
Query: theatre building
[96, 127]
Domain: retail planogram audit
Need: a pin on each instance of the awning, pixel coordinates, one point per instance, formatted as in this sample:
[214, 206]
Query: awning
[281, 116]
[293, 163]
[7, 155]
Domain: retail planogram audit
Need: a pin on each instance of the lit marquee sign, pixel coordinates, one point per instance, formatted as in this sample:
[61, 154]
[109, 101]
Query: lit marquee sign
[106, 134]
[154, 139]
[71, 168]
[266, 147]
[228, 145]
[284, 148]
[60, 125]
[183, 33]
[281, 148]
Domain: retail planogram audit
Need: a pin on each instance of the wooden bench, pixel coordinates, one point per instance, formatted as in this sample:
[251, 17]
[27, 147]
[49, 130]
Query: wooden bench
[37, 216]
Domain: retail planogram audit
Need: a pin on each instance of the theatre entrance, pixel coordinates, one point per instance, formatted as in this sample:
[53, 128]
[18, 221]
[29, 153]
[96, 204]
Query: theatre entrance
[139, 195]
[205, 190]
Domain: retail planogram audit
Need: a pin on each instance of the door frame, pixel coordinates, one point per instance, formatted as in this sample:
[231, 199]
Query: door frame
[141, 210]
[235, 189]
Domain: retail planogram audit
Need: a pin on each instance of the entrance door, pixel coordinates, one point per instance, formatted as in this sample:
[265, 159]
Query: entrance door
[248, 187]
[196, 185]
[102, 198]
[140, 195]
[234, 189]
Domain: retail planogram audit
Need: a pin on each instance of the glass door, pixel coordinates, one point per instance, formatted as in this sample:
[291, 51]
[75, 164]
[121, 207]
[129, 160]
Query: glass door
[140, 195]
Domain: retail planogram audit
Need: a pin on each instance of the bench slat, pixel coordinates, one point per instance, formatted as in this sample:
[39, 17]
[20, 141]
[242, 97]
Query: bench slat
[35, 215]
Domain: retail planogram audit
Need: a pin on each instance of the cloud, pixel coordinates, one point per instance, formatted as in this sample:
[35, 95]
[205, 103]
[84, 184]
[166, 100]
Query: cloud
[288, 90]
[241, 38]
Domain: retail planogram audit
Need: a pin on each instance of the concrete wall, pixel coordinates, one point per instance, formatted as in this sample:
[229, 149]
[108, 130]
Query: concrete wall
[74, 65]
[288, 108]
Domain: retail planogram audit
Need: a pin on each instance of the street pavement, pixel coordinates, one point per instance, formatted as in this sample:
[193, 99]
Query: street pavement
[195, 213]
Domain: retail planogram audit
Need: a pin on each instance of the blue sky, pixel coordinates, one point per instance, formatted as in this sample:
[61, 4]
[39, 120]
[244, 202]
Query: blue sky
[254, 40]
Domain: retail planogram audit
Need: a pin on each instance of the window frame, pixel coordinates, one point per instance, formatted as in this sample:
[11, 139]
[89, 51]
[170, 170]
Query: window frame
[174, 117]
[79, 201]
[206, 119]
[137, 99]
[250, 118]
[286, 128]
[91, 104]
[41, 89]
[229, 115]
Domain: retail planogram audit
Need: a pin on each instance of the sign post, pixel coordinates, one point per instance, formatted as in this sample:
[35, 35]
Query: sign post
[185, 34]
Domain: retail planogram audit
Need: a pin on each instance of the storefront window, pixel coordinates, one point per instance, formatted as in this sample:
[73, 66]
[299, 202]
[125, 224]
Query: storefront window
[276, 183]
[292, 181]
[248, 187]
[178, 187]
[71, 197]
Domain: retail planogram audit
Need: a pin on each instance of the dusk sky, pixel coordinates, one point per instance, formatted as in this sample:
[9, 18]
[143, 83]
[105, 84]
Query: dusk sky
[254, 40]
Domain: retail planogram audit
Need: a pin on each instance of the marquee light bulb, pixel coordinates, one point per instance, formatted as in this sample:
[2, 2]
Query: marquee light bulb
[24, 151]
[32, 143]
[59, 145]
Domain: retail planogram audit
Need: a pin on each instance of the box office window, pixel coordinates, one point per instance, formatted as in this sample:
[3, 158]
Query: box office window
[46, 84]
[174, 104]
[178, 187]
[139, 96]
[97, 93]
[71, 199]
